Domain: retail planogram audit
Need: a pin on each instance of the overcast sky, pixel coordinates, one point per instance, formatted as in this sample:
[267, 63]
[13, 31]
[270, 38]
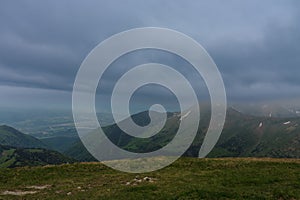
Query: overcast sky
[255, 44]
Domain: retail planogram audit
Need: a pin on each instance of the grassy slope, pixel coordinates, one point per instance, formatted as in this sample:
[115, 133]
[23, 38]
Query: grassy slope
[60, 143]
[12, 137]
[187, 178]
[241, 137]
[18, 157]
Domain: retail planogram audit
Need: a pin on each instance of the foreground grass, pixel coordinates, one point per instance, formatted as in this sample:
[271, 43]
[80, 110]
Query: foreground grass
[187, 178]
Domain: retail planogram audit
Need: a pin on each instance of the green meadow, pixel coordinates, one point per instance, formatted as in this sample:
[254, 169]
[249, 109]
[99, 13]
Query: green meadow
[187, 178]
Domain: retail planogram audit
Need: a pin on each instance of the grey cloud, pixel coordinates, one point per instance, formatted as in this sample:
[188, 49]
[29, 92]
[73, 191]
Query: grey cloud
[254, 43]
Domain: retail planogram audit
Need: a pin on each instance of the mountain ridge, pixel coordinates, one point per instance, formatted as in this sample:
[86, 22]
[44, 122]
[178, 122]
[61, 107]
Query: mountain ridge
[243, 136]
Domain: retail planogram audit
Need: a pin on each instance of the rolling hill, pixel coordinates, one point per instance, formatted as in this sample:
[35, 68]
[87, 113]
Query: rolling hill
[79, 152]
[243, 136]
[19, 157]
[59, 143]
[18, 149]
[12, 137]
[118, 137]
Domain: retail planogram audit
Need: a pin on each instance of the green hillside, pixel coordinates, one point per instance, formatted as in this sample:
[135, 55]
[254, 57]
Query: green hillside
[242, 136]
[12, 137]
[248, 136]
[118, 137]
[59, 143]
[187, 178]
[18, 157]
[79, 152]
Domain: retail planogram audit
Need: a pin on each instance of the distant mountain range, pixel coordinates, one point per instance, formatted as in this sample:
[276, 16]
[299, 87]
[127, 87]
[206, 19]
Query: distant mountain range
[243, 136]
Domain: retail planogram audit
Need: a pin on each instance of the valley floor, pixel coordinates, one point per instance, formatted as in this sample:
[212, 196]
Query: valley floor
[187, 178]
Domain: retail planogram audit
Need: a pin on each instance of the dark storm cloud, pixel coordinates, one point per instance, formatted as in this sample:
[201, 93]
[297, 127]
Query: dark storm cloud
[50, 40]
[254, 43]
